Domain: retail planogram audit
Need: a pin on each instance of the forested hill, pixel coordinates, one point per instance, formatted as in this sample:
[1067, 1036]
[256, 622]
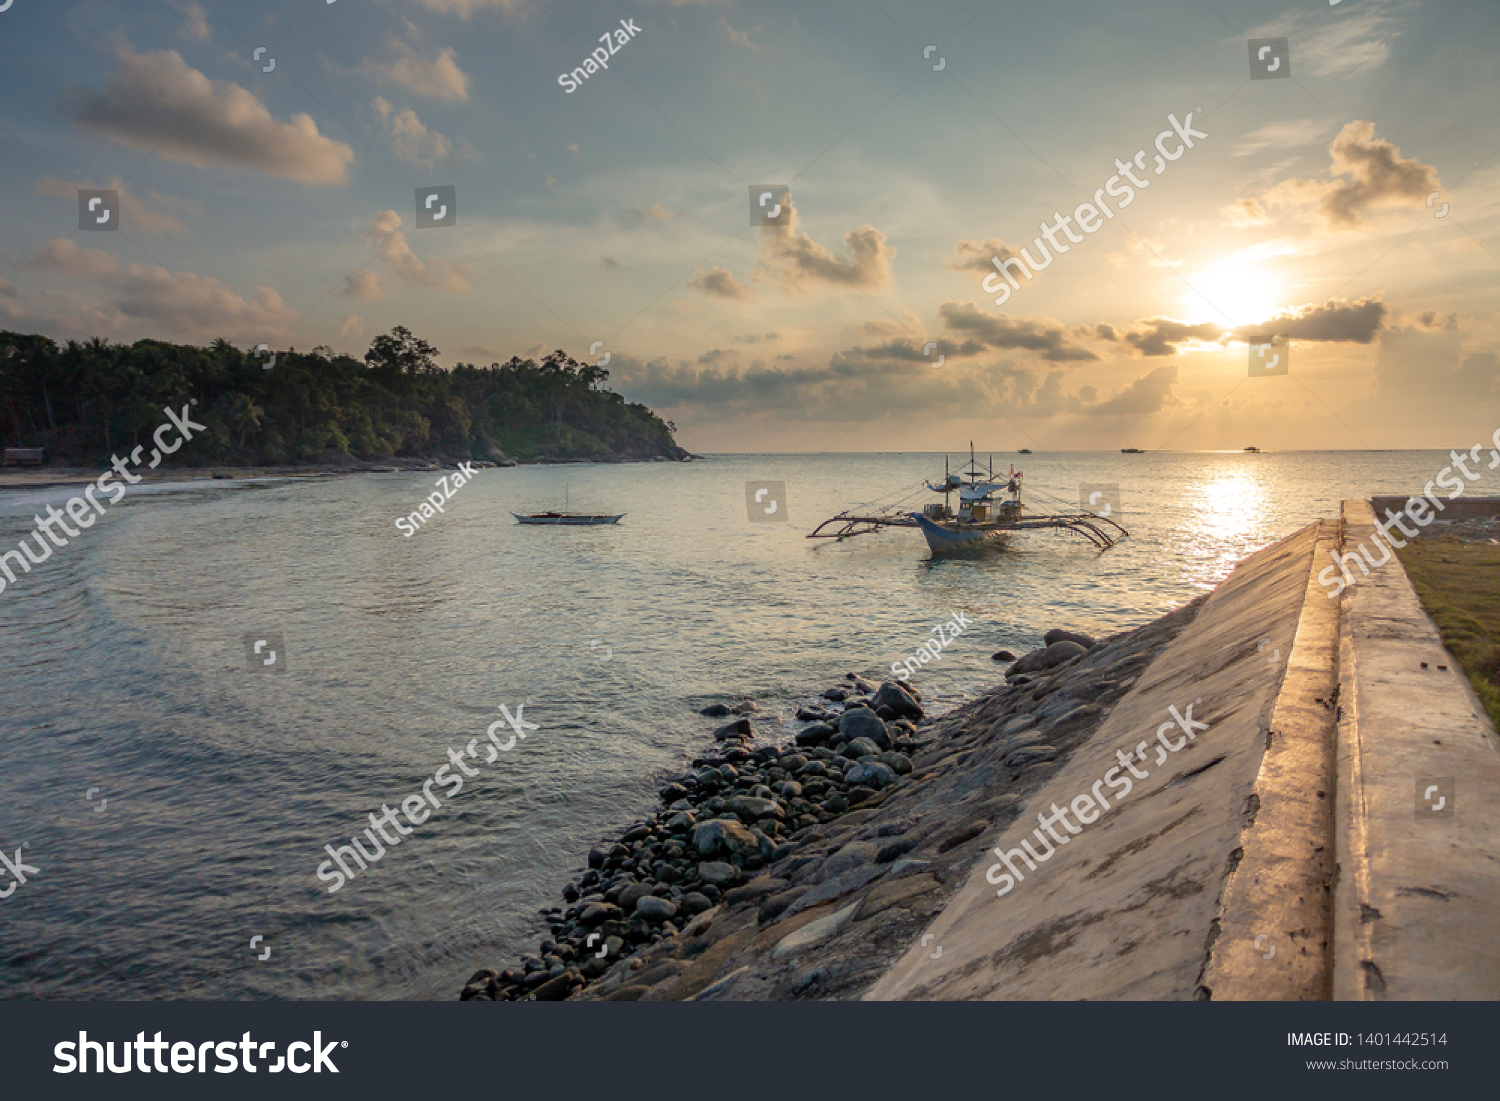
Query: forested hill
[85, 402]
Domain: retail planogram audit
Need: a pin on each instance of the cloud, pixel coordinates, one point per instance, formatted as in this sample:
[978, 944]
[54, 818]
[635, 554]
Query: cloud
[1376, 175]
[1245, 212]
[755, 338]
[1161, 335]
[410, 140]
[993, 331]
[365, 284]
[197, 305]
[137, 214]
[158, 102]
[435, 75]
[721, 283]
[739, 37]
[351, 325]
[1359, 322]
[654, 213]
[611, 263]
[1289, 134]
[975, 255]
[1432, 319]
[1357, 40]
[396, 254]
[1148, 394]
[196, 27]
[67, 258]
[465, 9]
[799, 264]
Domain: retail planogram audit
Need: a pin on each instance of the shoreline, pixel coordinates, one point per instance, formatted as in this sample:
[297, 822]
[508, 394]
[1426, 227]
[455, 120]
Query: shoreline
[58, 476]
[760, 851]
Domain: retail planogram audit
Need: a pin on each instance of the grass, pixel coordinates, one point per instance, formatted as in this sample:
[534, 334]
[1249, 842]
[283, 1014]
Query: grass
[1459, 586]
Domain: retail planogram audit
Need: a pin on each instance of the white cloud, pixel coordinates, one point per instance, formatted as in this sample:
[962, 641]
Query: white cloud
[435, 75]
[157, 102]
[410, 139]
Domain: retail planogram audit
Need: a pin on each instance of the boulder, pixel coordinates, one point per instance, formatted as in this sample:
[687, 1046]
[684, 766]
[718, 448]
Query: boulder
[872, 774]
[816, 734]
[898, 700]
[864, 723]
[655, 909]
[740, 728]
[750, 808]
[860, 747]
[718, 873]
[1058, 635]
[724, 836]
[716, 711]
[1002, 655]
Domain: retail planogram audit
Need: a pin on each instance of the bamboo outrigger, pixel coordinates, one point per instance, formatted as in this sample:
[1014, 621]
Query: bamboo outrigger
[979, 517]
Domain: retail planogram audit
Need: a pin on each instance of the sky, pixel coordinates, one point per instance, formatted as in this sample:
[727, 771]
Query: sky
[1340, 191]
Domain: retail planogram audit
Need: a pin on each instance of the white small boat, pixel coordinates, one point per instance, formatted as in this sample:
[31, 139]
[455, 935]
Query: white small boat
[574, 519]
[568, 519]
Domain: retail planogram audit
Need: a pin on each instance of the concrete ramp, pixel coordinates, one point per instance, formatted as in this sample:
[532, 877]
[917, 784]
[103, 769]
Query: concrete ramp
[1133, 905]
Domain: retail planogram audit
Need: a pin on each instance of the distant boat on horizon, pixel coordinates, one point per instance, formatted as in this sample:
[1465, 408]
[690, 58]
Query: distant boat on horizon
[1024, 451]
[1131, 451]
[1253, 450]
[566, 519]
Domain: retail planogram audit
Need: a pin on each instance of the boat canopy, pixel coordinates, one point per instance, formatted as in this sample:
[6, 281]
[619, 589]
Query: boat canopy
[980, 492]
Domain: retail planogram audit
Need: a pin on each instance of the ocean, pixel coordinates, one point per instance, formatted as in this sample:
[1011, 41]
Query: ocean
[176, 794]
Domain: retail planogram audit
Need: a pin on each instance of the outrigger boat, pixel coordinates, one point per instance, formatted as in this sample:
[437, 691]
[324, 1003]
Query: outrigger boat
[980, 516]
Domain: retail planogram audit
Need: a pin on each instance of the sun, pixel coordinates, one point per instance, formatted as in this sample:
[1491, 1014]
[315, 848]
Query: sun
[1232, 293]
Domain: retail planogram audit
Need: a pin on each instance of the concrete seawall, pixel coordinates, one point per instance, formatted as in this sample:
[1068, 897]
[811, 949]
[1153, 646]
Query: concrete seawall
[1281, 853]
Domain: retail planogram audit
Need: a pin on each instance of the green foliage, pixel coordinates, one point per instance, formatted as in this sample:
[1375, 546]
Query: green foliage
[86, 402]
[1459, 586]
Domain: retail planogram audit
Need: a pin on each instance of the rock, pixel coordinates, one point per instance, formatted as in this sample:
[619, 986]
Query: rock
[814, 932]
[638, 832]
[596, 912]
[812, 768]
[872, 774]
[1030, 755]
[695, 903]
[864, 723]
[894, 849]
[813, 714]
[899, 763]
[1002, 655]
[680, 823]
[859, 747]
[724, 836]
[740, 728]
[750, 809]
[966, 832]
[596, 857]
[852, 855]
[716, 711]
[792, 761]
[755, 890]
[570, 892]
[631, 896]
[655, 909]
[837, 695]
[673, 792]
[718, 874]
[891, 892]
[895, 697]
[816, 734]
[1057, 635]
[837, 887]
[1060, 652]
[554, 989]
[746, 708]
[908, 867]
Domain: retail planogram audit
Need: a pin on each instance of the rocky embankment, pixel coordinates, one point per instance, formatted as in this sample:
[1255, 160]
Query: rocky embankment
[804, 870]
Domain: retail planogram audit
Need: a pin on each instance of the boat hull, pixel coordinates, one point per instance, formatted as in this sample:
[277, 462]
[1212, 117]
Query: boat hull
[941, 539]
[566, 521]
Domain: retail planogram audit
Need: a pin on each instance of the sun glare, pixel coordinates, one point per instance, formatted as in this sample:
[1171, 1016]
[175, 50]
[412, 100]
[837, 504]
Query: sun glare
[1232, 295]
